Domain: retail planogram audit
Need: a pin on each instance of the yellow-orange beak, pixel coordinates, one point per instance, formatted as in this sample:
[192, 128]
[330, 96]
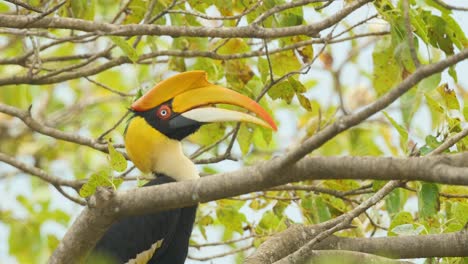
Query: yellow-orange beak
[191, 92]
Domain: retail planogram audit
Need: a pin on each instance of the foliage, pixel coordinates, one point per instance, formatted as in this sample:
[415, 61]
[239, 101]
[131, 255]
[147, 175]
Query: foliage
[292, 82]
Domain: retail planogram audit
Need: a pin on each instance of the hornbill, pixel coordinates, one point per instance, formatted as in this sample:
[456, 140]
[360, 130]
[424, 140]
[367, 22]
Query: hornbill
[169, 112]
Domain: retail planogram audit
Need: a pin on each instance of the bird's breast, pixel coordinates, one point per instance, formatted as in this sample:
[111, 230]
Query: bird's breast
[145, 145]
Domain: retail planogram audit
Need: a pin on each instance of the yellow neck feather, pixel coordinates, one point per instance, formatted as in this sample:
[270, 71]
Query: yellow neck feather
[152, 151]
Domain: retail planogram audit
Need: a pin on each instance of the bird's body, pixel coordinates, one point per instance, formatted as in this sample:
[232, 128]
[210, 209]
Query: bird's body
[177, 223]
[172, 110]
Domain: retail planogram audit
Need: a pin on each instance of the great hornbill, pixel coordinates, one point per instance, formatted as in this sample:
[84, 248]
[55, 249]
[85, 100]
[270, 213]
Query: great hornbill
[169, 112]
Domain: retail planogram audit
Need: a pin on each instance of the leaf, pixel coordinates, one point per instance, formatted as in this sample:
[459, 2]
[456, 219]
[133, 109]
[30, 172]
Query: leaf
[455, 32]
[83, 9]
[465, 112]
[125, 47]
[419, 25]
[428, 200]
[238, 74]
[231, 218]
[393, 202]
[284, 62]
[117, 159]
[323, 212]
[433, 104]
[453, 73]
[98, 179]
[304, 101]
[409, 104]
[386, 73]
[271, 222]
[400, 129]
[283, 90]
[233, 46]
[400, 219]
[407, 230]
[258, 204]
[136, 11]
[208, 134]
[244, 138]
[297, 86]
[52, 242]
[203, 222]
[449, 97]
[459, 212]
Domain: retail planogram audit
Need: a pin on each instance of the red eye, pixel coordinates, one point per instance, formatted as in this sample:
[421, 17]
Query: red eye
[164, 112]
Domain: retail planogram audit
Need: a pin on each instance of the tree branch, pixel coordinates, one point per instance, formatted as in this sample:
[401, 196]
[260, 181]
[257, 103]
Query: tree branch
[38, 172]
[251, 31]
[421, 246]
[26, 117]
[343, 256]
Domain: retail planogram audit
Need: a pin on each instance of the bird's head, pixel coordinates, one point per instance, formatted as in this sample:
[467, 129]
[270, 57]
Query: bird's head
[176, 108]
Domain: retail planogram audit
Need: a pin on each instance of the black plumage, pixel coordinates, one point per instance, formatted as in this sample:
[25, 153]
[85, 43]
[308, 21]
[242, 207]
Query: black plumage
[134, 234]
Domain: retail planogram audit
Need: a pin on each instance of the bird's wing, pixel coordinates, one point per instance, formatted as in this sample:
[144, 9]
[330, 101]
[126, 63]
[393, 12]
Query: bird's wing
[134, 234]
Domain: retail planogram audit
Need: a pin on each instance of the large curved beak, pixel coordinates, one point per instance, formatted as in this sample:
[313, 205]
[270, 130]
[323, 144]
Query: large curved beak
[191, 92]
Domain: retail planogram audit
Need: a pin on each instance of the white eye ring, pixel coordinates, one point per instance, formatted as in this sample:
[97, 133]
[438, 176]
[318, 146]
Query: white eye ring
[163, 112]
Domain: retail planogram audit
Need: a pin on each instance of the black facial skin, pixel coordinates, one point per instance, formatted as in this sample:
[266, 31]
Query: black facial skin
[175, 126]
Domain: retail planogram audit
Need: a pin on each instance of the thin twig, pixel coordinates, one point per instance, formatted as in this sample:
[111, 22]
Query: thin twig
[409, 33]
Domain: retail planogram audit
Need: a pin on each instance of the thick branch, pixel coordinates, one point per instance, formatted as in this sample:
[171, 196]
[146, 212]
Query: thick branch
[421, 246]
[349, 257]
[102, 28]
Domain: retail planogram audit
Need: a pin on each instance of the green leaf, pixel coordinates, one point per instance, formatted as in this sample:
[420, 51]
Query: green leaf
[401, 130]
[419, 25]
[203, 222]
[279, 208]
[283, 90]
[136, 11]
[271, 222]
[258, 204]
[304, 101]
[465, 112]
[323, 212]
[453, 73]
[459, 212]
[117, 159]
[449, 97]
[101, 178]
[433, 104]
[244, 138]
[455, 32]
[233, 46]
[125, 47]
[400, 219]
[429, 84]
[231, 218]
[407, 230]
[393, 202]
[409, 104]
[297, 85]
[284, 62]
[83, 9]
[208, 134]
[52, 242]
[428, 200]
[386, 73]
